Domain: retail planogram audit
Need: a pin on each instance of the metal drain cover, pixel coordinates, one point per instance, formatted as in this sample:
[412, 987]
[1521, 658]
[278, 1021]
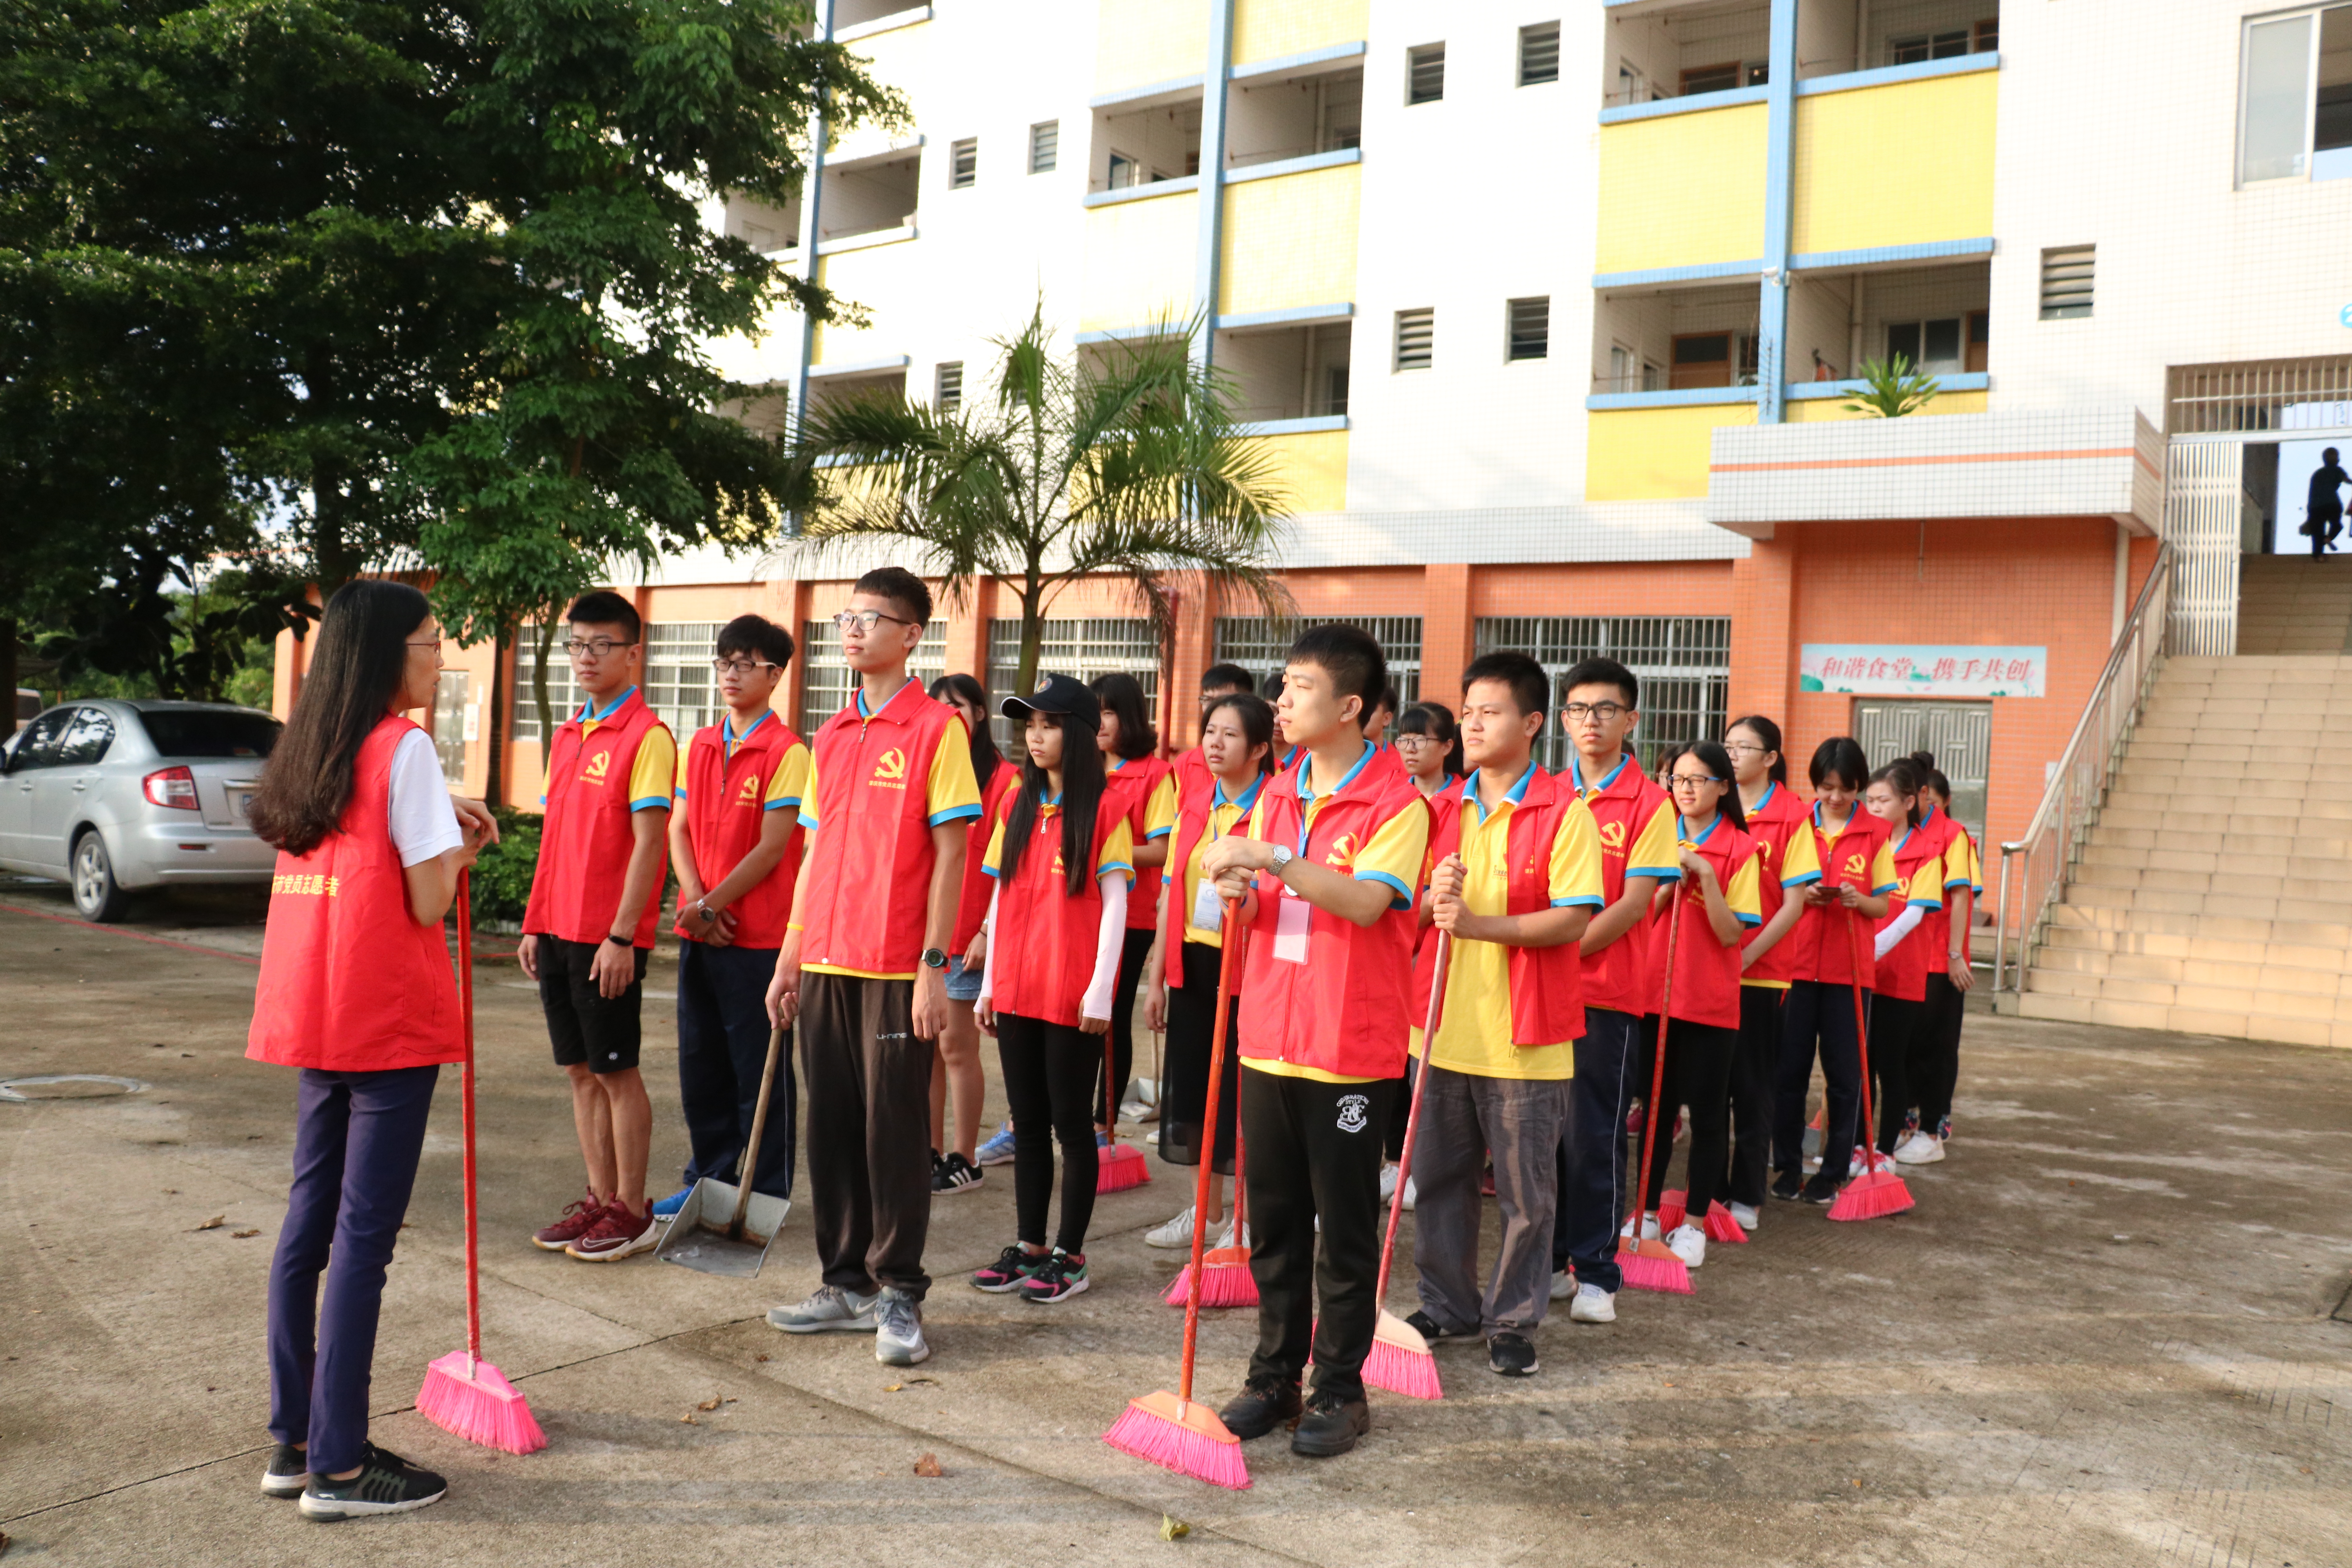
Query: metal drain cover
[68, 1086]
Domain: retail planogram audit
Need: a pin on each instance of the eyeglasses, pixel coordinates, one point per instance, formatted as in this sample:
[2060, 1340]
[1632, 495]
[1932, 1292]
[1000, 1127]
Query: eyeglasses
[1606, 712]
[1691, 781]
[596, 647]
[1744, 748]
[434, 645]
[1416, 741]
[863, 620]
[741, 665]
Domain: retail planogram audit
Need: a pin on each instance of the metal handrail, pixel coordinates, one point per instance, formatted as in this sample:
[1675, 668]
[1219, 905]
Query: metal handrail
[2079, 782]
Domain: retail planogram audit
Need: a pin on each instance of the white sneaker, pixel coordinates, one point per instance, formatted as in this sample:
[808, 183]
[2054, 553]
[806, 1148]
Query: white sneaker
[1920, 1149]
[1564, 1285]
[1177, 1232]
[899, 1329]
[1745, 1215]
[1225, 1237]
[1388, 1182]
[1593, 1305]
[1649, 1226]
[1688, 1243]
[1409, 1194]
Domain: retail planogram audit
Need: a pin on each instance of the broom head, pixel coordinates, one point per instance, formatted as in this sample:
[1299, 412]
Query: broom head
[1650, 1266]
[1720, 1226]
[1119, 1168]
[1225, 1281]
[1872, 1196]
[1180, 1435]
[1400, 1359]
[1674, 1207]
[471, 1399]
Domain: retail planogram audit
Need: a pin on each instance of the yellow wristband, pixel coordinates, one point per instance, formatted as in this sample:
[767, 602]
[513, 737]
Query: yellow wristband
[794, 925]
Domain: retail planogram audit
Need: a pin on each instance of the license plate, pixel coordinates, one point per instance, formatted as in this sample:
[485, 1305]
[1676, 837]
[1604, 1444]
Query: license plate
[240, 801]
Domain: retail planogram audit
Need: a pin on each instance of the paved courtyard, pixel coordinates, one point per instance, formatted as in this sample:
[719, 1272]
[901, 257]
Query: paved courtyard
[2114, 1331]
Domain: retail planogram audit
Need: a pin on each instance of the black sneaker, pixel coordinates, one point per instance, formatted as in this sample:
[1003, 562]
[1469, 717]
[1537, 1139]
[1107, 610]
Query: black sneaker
[1512, 1355]
[951, 1173]
[289, 1473]
[1430, 1329]
[1818, 1192]
[386, 1484]
[1264, 1404]
[1330, 1424]
[1009, 1272]
[1063, 1276]
[1786, 1186]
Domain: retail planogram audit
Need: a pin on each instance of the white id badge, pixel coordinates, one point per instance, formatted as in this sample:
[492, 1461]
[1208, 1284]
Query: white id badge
[1208, 909]
[1290, 927]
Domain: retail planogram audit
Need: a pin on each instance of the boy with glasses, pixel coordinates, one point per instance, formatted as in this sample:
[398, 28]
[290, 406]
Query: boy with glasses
[595, 897]
[736, 840]
[864, 966]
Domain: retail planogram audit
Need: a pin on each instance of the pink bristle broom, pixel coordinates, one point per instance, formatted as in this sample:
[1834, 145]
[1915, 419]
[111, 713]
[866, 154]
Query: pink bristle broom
[463, 1393]
[1878, 1191]
[1224, 1272]
[1119, 1165]
[1401, 1360]
[1651, 1265]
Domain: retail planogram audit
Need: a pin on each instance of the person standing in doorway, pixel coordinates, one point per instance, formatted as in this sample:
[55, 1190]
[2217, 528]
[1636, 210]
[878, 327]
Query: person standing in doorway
[2324, 504]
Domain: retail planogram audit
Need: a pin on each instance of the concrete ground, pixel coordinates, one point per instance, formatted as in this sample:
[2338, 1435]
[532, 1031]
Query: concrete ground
[2113, 1331]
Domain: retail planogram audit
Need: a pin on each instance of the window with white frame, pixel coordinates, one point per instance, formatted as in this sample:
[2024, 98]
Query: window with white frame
[1683, 663]
[1416, 338]
[1425, 80]
[827, 684]
[2294, 96]
[1529, 329]
[948, 394]
[563, 697]
[680, 686]
[1262, 645]
[2068, 274]
[1045, 146]
[1082, 647]
[964, 164]
[1539, 54]
[1932, 346]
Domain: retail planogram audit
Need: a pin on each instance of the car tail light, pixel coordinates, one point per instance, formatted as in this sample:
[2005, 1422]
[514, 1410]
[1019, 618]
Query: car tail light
[172, 787]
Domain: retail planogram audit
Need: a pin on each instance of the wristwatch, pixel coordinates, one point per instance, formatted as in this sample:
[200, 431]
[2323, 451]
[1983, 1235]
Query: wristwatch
[622, 941]
[934, 959]
[1282, 855]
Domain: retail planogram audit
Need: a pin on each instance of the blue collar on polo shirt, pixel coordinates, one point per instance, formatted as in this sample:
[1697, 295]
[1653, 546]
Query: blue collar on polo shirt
[1514, 796]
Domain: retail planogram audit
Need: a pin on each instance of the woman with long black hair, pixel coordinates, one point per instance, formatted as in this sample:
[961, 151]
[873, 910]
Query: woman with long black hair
[357, 992]
[1784, 850]
[955, 1064]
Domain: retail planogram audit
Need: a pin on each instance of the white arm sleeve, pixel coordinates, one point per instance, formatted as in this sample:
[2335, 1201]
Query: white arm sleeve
[988, 973]
[1904, 924]
[424, 824]
[1109, 939]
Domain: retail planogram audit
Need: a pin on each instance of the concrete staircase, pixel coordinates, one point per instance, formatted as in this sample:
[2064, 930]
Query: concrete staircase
[2292, 604]
[2214, 894]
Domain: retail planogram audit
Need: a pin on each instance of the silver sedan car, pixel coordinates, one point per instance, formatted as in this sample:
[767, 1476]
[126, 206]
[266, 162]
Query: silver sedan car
[117, 796]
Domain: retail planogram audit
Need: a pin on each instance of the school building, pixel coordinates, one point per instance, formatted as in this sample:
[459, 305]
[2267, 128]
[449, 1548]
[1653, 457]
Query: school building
[1550, 312]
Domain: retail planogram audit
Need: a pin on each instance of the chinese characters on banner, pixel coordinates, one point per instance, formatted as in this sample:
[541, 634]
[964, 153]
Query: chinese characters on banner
[1904, 669]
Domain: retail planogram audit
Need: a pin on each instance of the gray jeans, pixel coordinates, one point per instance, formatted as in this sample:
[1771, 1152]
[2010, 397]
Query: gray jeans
[1463, 1117]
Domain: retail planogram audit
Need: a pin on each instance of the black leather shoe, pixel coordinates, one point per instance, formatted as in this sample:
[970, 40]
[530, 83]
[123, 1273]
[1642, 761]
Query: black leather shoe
[1512, 1355]
[1430, 1329]
[1787, 1186]
[1264, 1404]
[1330, 1424]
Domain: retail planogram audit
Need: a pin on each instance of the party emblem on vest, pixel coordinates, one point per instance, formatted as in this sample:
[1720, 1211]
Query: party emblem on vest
[598, 766]
[750, 793]
[1613, 837]
[1853, 865]
[1343, 852]
[1354, 1112]
[890, 770]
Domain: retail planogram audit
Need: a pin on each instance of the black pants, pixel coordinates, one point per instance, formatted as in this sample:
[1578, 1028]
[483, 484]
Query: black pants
[1592, 1152]
[722, 1052]
[1936, 1053]
[1894, 1028]
[1823, 1014]
[869, 1130]
[1698, 1073]
[1049, 1081]
[1314, 1153]
[1192, 1030]
[1752, 1067]
[2325, 526]
[1131, 954]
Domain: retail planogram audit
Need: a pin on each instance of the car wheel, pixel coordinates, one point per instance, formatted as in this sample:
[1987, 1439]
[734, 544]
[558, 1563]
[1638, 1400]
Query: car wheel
[96, 893]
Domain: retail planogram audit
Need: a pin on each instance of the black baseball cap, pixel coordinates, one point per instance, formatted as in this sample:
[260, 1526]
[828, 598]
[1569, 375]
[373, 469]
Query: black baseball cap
[1059, 694]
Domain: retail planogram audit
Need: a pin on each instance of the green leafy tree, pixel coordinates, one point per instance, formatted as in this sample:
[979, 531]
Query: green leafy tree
[1892, 391]
[1131, 465]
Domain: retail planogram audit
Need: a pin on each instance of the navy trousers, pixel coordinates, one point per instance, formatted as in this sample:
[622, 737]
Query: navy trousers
[1591, 1161]
[357, 1137]
[1822, 1016]
[723, 1048]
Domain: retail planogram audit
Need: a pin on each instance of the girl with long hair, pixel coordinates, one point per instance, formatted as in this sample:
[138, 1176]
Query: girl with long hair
[1785, 863]
[955, 1065]
[1936, 1050]
[1428, 743]
[1148, 786]
[357, 993]
[1060, 859]
[1899, 951]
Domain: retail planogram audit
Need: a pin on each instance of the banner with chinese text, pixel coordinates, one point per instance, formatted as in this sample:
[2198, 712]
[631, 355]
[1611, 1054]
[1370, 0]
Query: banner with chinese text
[1905, 669]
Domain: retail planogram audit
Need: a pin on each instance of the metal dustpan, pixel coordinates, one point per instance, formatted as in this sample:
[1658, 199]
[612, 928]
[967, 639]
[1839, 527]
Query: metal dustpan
[724, 1228]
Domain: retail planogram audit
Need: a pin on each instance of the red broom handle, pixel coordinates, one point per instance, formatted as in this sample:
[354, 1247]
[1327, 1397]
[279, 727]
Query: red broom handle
[1869, 1132]
[1241, 1190]
[1225, 967]
[1412, 1113]
[465, 1018]
[1658, 1065]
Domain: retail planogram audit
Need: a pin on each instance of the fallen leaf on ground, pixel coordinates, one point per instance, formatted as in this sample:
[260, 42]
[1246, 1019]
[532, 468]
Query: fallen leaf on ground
[213, 1224]
[689, 1420]
[762, 1356]
[912, 1381]
[709, 1404]
[241, 1235]
[929, 1465]
[892, 1387]
[1173, 1529]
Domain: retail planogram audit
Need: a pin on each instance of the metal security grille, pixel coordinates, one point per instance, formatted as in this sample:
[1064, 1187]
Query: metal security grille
[1683, 662]
[2260, 394]
[1540, 54]
[950, 386]
[1530, 327]
[680, 686]
[827, 682]
[1261, 646]
[563, 697]
[1045, 146]
[2067, 275]
[964, 164]
[1416, 338]
[1426, 83]
[1084, 648]
[1959, 733]
[449, 725]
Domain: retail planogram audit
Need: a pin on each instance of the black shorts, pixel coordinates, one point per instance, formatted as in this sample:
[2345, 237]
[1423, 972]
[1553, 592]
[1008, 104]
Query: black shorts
[587, 1028]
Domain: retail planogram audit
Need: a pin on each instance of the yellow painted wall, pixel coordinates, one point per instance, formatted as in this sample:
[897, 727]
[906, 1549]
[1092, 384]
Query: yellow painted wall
[1139, 42]
[1291, 240]
[888, 280]
[1904, 164]
[1829, 408]
[1682, 191]
[1140, 258]
[1274, 29]
[1310, 469]
[1653, 454]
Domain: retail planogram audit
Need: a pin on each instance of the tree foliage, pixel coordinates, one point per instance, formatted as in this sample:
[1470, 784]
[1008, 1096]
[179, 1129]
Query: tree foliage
[1892, 391]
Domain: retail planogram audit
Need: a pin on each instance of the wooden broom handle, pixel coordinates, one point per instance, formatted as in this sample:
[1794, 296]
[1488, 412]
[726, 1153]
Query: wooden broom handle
[1229, 950]
[1412, 1113]
[1658, 1063]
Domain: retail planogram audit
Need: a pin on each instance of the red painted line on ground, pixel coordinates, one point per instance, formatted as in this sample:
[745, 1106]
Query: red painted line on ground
[133, 935]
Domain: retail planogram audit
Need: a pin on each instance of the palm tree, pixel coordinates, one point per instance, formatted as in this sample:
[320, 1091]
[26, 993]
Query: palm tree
[1892, 391]
[1133, 467]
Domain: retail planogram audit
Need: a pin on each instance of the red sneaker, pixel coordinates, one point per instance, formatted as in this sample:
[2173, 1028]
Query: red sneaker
[570, 1227]
[618, 1232]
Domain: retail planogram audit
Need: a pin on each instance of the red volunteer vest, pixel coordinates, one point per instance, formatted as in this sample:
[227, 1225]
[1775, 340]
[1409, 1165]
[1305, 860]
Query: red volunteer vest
[1546, 983]
[586, 837]
[1196, 794]
[1137, 778]
[872, 854]
[1043, 949]
[1343, 1010]
[1618, 978]
[349, 981]
[726, 808]
[1938, 924]
[1706, 973]
[1775, 819]
[972, 904]
[1822, 951]
[1903, 973]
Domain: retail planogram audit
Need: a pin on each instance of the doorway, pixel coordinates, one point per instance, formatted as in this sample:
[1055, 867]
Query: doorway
[1959, 733]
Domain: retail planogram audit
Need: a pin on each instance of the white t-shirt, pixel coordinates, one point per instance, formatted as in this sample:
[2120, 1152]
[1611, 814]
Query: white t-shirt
[424, 821]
